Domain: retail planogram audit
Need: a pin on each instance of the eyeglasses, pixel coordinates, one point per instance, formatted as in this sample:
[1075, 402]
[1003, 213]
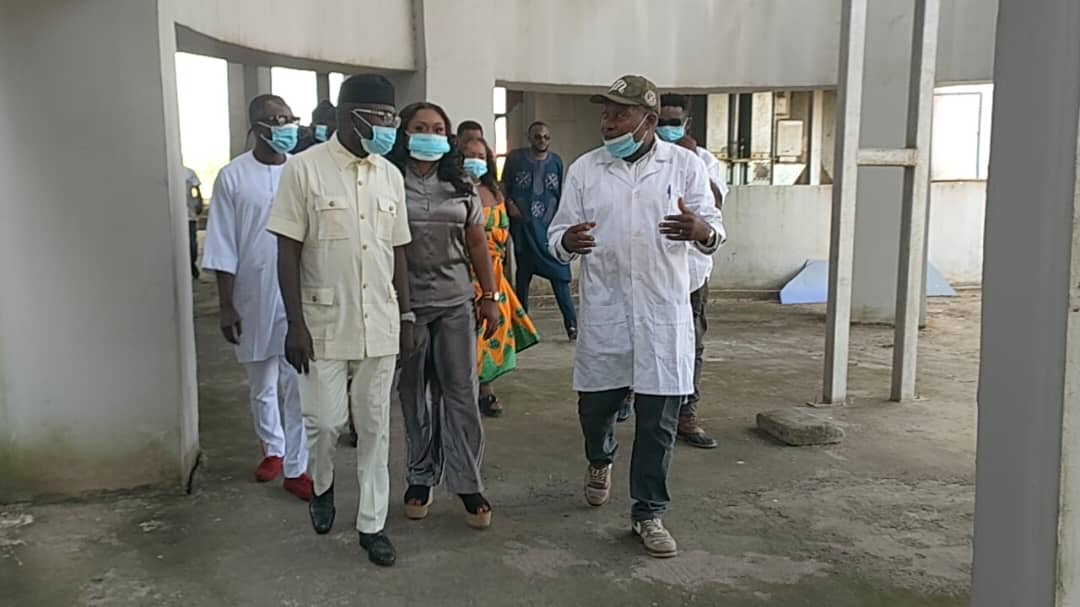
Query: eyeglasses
[279, 120]
[383, 118]
[671, 122]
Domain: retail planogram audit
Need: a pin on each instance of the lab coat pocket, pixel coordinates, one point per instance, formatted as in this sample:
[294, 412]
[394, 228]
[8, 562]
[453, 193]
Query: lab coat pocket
[384, 219]
[604, 330]
[332, 218]
[320, 312]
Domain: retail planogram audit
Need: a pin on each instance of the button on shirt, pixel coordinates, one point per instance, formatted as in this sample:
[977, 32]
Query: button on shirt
[701, 265]
[349, 213]
[636, 326]
[438, 256]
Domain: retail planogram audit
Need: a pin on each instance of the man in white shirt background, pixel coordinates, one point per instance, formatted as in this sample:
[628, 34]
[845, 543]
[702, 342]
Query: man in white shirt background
[194, 198]
[673, 127]
[634, 210]
[243, 255]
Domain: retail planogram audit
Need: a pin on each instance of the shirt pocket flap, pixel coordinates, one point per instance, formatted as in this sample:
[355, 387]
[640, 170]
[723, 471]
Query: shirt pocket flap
[387, 205]
[318, 297]
[328, 203]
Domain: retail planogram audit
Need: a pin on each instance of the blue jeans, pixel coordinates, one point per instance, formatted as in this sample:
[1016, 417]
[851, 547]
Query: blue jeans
[561, 288]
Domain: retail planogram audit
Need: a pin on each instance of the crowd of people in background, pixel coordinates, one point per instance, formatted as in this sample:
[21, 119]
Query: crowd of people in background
[370, 248]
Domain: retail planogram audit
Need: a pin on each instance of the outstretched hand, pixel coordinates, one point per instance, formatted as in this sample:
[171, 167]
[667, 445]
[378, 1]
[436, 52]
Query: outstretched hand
[578, 240]
[686, 226]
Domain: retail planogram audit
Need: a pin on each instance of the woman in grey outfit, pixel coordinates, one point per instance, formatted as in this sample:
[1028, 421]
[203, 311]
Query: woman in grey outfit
[444, 439]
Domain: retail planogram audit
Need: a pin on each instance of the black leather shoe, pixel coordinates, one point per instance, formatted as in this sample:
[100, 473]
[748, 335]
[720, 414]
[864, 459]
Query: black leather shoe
[379, 549]
[322, 511]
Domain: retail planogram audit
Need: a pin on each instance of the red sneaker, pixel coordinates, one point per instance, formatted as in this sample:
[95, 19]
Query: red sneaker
[270, 468]
[301, 486]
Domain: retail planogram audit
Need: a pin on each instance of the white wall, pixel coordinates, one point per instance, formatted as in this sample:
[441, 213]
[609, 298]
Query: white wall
[373, 33]
[957, 214]
[96, 342]
[707, 43]
[774, 230]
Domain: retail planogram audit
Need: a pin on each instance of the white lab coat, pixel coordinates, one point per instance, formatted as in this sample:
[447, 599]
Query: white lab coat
[636, 326]
[701, 264]
[237, 242]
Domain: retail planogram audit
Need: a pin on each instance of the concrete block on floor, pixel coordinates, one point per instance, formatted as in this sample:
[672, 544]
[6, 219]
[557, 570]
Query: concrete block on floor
[799, 427]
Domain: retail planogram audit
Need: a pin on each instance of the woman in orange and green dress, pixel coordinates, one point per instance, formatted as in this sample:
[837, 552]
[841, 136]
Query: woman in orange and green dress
[497, 356]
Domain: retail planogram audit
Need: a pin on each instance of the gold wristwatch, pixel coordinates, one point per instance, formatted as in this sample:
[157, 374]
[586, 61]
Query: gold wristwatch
[494, 296]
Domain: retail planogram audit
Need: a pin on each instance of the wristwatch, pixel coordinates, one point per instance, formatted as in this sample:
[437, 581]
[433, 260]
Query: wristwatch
[494, 296]
[408, 317]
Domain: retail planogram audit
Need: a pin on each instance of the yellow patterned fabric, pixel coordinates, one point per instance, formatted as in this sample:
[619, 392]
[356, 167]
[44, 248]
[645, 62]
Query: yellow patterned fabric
[516, 332]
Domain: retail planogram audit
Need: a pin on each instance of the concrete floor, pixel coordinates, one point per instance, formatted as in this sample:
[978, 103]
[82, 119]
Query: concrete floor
[884, 519]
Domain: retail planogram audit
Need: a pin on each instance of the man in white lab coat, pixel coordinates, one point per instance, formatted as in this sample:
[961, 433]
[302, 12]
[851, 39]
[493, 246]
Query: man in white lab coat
[634, 209]
[674, 121]
[244, 257]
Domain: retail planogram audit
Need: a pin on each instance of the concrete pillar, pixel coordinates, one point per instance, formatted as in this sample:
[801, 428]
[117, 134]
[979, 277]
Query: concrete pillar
[465, 94]
[1027, 509]
[884, 122]
[322, 87]
[97, 352]
[245, 82]
[817, 120]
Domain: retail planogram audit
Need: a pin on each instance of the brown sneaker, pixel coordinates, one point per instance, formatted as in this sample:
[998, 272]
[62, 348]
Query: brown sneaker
[598, 485]
[657, 540]
[694, 434]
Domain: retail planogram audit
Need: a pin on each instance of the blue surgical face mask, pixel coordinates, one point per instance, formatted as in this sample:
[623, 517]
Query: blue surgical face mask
[283, 138]
[625, 145]
[382, 137]
[671, 133]
[476, 167]
[428, 147]
[322, 133]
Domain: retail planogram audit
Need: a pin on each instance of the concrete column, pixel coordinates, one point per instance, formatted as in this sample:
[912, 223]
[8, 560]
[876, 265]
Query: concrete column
[817, 119]
[464, 94]
[245, 82]
[322, 86]
[884, 121]
[1027, 509]
[97, 363]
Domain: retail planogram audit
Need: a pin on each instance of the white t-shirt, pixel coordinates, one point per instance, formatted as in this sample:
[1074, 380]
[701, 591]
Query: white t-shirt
[701, 265]
[191, 181]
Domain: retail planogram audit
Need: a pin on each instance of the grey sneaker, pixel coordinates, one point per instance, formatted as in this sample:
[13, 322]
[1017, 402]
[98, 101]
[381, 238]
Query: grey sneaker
[658, 542]
[598, 485]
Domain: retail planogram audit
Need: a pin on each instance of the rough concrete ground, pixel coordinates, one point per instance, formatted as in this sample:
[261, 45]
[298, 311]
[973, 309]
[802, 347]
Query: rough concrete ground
[883, 519]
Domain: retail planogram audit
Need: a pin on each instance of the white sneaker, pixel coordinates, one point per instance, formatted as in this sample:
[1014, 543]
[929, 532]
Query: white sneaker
[598, 485]
[658, 542]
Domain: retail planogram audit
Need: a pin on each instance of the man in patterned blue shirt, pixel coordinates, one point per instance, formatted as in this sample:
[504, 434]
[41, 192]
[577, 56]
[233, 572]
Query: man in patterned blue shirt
[532, 181]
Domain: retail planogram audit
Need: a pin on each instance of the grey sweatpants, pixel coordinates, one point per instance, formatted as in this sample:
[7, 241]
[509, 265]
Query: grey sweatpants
[438, 388]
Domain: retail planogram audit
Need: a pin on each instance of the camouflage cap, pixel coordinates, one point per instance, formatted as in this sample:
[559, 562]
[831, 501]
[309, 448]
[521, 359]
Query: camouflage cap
[631, 90]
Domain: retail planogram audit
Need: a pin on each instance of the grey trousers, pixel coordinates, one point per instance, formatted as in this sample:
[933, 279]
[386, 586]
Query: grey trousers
[444, 438]
[699, 302]
[656, 418]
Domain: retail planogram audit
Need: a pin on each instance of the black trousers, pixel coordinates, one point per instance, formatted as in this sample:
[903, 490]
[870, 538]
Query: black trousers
[193, 245]
[656, 418]
[699, 302]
